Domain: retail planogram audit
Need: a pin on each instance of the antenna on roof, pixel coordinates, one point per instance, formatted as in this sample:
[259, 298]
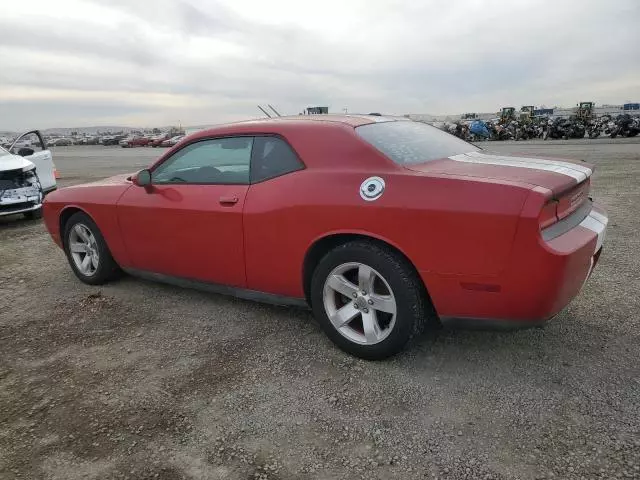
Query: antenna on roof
[264, 111]
[276, 112]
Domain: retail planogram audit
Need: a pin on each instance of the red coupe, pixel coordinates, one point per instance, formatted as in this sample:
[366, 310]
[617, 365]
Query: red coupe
[380, 225]
[130, 142]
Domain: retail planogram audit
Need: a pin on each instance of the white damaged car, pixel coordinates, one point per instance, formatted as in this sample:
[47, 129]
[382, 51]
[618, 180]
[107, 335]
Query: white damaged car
[27, 174]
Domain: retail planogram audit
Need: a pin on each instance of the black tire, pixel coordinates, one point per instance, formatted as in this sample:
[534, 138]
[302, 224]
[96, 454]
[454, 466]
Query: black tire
[413, 308]
[107, 267]
[33, 214]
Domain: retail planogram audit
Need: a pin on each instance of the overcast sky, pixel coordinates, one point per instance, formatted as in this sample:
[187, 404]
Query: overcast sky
[69, 63]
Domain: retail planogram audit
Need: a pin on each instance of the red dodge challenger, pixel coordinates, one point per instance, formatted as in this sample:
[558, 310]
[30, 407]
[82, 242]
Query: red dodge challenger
[379, 224]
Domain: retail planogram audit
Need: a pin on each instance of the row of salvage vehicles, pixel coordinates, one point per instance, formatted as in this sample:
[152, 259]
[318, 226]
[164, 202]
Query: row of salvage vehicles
[27, 174]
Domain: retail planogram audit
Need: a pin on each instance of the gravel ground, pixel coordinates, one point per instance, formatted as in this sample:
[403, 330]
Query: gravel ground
[141, 381]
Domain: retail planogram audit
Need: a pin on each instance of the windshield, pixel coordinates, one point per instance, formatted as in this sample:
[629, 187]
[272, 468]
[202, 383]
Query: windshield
[407, 142]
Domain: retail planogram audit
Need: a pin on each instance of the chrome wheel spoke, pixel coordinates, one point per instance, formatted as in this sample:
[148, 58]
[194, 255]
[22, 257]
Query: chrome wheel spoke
[84, 265]
[342, 285]
[344, 315]
[83, 249]
[383, 303]
[77, 247]
[81, 231]
[371, 327]
[366, 276]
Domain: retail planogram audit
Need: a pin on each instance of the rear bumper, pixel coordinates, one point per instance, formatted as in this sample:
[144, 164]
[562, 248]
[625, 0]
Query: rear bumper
[542, 278]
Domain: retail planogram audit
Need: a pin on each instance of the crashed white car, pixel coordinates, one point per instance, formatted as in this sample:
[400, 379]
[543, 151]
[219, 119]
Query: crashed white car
[27, 174]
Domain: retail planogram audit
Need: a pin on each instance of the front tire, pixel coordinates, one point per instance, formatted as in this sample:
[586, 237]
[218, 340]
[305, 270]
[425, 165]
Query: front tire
[87, 251]
[368, 299]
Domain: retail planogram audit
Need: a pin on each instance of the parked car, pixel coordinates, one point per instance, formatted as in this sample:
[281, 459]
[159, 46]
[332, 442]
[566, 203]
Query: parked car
[112, 140]
[172, 141]
[134, 142]
[60, 142]
[157, 140]
[380, 225]
[27, 174]
[88, 141]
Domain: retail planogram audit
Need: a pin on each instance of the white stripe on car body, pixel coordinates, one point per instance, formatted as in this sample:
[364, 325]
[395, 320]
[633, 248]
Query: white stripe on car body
[578, 172]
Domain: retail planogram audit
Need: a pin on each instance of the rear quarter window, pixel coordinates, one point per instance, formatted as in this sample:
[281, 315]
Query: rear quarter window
[408, 143]
[272, 157]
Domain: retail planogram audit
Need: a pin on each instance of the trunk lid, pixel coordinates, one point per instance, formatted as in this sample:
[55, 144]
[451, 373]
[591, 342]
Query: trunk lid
[568, 180]
[557, 175]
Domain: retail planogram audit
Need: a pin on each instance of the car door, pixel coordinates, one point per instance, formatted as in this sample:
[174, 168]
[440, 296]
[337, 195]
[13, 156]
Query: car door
[188, 222]
[32, 146]
[272, 221]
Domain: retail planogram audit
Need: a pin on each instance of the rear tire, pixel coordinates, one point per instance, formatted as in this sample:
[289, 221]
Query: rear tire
[87, 251]
[377, 317]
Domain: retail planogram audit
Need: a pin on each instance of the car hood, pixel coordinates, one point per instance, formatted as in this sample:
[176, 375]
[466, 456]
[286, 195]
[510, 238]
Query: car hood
[555, 174]
[120, 179]
[15, 162]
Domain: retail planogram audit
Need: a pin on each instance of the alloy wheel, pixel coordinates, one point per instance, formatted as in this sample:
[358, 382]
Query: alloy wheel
[84, 249]
[359, 303]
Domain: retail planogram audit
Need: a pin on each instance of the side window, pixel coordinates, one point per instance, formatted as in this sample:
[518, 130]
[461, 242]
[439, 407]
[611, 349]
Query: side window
[272, 157]
[218, 161]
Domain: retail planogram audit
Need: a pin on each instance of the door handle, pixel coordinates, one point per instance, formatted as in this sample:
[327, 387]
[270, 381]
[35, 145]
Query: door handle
[228, 200]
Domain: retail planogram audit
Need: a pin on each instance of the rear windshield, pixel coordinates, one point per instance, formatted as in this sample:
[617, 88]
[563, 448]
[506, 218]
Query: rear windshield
[407, 142]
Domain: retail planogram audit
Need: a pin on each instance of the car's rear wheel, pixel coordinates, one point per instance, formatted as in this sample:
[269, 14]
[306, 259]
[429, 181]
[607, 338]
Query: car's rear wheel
[368, 299]
[87, 251]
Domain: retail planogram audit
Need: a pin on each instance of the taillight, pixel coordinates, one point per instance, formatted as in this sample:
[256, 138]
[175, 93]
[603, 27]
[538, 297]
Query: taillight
[549, 214]
[572, 199]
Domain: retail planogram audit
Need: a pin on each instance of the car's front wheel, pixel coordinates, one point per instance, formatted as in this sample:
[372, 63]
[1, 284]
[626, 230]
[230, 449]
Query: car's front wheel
[368, 299]
[87, 251]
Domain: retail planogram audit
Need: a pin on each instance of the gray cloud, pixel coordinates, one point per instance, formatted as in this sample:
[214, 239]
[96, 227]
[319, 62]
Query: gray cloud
[133, 62]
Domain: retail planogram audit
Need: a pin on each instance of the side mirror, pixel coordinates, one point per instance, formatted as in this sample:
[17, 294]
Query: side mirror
[142, 178]
[26, 152]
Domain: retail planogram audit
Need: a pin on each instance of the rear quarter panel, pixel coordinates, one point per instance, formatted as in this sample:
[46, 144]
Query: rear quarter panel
[96, 200]
[444, 225]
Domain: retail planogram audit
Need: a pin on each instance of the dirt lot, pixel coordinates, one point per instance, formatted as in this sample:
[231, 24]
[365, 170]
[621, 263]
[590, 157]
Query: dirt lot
[139, 380]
